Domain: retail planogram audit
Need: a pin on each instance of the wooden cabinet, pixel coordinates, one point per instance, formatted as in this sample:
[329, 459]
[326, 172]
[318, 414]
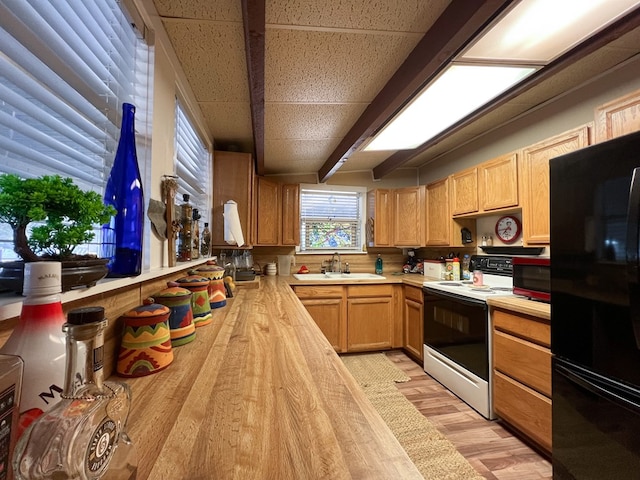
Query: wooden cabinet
[277, 213]
[232, 180]
[522, 373]
[534, 178]
[464, 191]
[370, 317]
[618, 117]
[438, 219]
[326, 305]
[413, 317]
[490, 186]
[498, 183]
[408, 216]
[379, 215]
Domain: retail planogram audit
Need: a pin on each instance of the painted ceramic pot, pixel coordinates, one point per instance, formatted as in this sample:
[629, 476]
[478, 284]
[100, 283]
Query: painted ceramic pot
[145, 347]
[199, 288]
[217, 290]
[181, 324]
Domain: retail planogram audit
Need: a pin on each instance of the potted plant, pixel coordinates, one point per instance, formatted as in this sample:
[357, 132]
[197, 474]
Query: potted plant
[66, 215]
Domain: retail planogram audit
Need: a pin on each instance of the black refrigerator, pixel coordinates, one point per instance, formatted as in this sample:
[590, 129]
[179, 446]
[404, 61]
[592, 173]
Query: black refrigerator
[595, 311]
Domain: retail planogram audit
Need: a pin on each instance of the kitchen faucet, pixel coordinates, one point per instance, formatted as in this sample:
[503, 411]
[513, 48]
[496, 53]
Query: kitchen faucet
[333, 263]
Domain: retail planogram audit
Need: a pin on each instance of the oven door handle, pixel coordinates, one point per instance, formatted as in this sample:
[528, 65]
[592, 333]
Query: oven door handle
[456, 298]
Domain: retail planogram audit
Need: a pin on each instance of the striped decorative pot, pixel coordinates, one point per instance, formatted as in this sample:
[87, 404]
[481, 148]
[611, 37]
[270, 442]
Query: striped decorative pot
[181, 324]
[145, 347]
[217, 290]
[199, 288]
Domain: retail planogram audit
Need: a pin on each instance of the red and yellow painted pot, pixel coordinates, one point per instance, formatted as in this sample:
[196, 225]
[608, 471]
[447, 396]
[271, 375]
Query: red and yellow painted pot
[217, 290]
[145, 347]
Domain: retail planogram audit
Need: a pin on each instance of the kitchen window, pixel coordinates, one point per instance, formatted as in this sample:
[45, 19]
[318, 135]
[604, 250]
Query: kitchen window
[64, 73]
[193, 163]
[331, 218]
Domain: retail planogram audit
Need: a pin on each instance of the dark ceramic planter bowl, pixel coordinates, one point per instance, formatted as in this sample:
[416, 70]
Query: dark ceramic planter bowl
[75, 274]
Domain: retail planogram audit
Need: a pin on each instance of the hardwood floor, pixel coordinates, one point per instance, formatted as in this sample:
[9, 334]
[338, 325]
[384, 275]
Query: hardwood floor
[488, 446]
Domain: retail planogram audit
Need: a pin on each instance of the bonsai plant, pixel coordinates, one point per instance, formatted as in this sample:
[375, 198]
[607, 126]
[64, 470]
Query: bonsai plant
[67, 215]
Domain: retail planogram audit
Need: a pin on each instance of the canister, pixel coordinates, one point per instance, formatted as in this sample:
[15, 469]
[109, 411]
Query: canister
[181, 325]
[199, 288]
[145, 347]
[217, 291]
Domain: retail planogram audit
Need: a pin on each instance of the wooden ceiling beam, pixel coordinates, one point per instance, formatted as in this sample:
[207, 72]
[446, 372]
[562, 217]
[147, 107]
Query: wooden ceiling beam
[254, 21]
[460, 22]
[625, 25]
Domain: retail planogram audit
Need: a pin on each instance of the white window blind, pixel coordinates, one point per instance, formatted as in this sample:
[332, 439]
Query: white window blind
[193, 163]
[331, 220]
[66, 67]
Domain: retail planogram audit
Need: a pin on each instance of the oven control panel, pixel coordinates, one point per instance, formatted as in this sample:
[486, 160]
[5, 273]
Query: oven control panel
[492, 264]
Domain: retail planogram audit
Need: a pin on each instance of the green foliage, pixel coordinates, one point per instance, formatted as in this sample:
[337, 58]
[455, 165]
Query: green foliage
[68, 212]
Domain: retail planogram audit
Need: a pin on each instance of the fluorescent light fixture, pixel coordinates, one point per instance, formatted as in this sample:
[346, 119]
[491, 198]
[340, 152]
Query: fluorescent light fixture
[460, 90]
[530, 35]
[538, 31]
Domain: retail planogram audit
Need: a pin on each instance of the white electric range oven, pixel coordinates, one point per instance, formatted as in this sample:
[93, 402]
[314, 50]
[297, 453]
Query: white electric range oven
[457, 336]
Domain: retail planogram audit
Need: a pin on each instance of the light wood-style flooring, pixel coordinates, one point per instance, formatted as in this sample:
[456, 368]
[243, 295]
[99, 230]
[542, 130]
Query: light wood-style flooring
[488, 446]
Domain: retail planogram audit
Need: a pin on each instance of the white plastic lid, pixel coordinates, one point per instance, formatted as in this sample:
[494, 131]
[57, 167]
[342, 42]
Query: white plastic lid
[42, 278]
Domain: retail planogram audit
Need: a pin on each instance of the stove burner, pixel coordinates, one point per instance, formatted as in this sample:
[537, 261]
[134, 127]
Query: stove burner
[502, 289]
[451, 284]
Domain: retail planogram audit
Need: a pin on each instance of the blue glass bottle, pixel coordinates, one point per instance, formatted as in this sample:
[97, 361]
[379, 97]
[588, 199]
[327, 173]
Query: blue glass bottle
[122, 236]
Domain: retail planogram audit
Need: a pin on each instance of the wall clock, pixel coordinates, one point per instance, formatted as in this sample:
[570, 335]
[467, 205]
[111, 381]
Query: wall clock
[508, 229]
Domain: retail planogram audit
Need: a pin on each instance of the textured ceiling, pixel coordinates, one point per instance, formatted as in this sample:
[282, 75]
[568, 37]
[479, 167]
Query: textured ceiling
[325, 62]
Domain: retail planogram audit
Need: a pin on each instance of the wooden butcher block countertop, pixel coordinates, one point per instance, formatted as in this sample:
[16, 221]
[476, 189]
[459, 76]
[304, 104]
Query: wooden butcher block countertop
[260, 394]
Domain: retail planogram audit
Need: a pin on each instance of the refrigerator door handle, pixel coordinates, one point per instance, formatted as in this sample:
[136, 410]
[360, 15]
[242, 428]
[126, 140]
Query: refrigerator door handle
[633, 252]
[593, 386]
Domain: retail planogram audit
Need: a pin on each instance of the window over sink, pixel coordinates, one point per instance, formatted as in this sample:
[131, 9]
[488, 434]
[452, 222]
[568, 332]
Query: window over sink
[331, 218]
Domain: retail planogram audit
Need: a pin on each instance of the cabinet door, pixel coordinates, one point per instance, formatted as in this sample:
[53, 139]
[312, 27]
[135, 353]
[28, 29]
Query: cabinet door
[408, 217]
[498, 182]
[534, 174]
[464, 191]
[327, 313]
[619, 117]
[232, 180]
[290, 214]
[438, 221]
[379, 227]
[370, 324]
[268, 220]
[413, 322]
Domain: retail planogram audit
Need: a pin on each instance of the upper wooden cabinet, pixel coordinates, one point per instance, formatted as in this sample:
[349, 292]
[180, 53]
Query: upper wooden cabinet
[498, 183]
[276, 213]
[464, 191]
[618, 117]
[379, 215]
[408, 216]
[534, 178]
[438, 221]
[232, 180]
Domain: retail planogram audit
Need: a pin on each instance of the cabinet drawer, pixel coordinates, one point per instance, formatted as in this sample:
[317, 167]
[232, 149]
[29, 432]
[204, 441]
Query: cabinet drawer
[413, 293]
[370, 291]
[525, 361]
[534, 329]
[523, 408]
[318, 291]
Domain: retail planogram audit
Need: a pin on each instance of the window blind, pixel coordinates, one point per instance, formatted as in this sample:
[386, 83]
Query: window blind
[330, 220]
[193, 163]
[66, 67]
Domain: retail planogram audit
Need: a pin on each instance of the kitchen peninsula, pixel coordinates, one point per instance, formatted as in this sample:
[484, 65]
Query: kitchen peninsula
[260, 393]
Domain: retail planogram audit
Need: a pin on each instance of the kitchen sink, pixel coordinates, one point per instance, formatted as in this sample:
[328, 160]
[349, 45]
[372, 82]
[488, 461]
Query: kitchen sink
[337, 276]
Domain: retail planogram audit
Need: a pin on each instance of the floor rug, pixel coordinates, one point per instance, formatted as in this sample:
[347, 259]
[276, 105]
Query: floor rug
[434, 455]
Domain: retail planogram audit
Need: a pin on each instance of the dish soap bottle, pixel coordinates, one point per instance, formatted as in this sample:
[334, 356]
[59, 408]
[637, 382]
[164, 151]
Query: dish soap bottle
[81, 436]
[379, 265]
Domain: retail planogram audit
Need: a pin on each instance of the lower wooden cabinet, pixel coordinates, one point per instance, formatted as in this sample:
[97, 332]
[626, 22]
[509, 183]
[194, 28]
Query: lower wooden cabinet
[413, 317]
[326, 306]
[522, 374]
[355, 318]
